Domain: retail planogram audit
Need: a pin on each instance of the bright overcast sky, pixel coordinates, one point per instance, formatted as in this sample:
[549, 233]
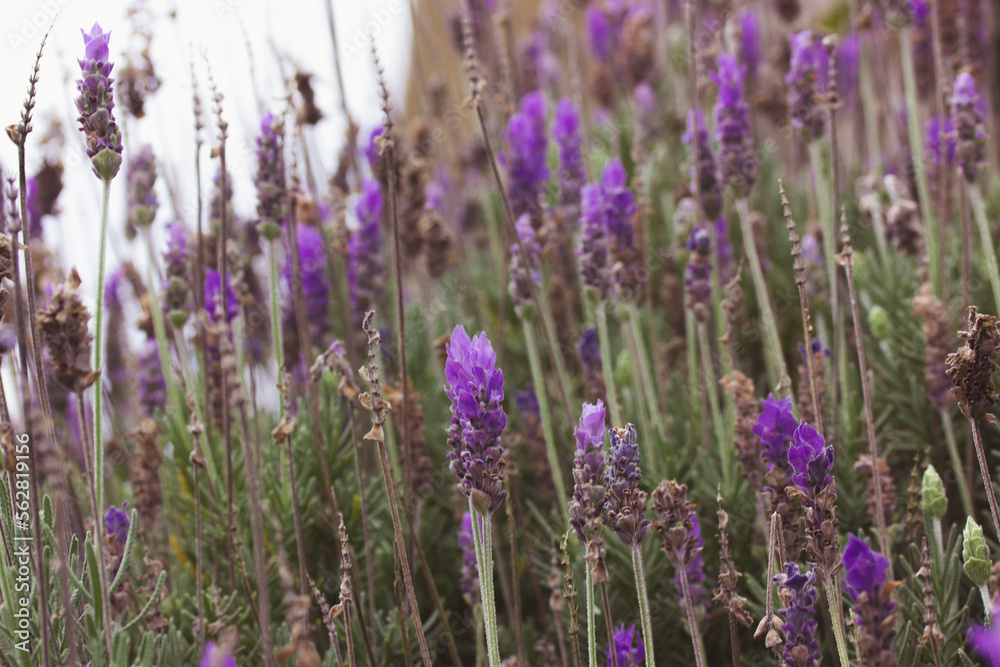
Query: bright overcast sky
[297, 29]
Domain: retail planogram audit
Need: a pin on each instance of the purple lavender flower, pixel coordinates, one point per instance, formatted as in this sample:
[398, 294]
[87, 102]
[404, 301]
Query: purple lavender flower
[865, 581]
[628, 647]
[709, 188]
[272, 200]
[798, 594]
[626, 500]
[737, 162]
[526, 162]
[177, 277]
[315, 286]
[566, 132]
[116, 527]
[96, 103]
[775, 427]
[213, 291]
[811, 459]
[141, 177]
[364, 259]
[698, 278]
[588, 349]
[620, 209]
[750, 40]
[967, 118]
[985, 640]
[586, 509]
[372, 151]
[594, 253]
[805, 80]
[215, 656]
[470, 568]
[601, 32]
[152, 384]
[932, 136]
[519, 287]
[475, 387]
[695, 569]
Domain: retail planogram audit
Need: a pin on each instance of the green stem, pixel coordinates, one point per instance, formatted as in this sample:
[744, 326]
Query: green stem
[956, 462]
[543, 407]
[692, 621]
[557, 360]
[591, 620]
[99, 411]
[276, 335]
[725, 451]
[607, 363]
[644, 369]
[776, 369]
[986, 238]
[987, 605]
[833, 601]
[640, 587]
[932, 235]
[482, 537]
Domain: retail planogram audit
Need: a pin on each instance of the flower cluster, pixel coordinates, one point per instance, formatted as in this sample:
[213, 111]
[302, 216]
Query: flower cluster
[96, 104]
[587, 507]
[971, 368]
[737, 162]
[141, 179]
[522, 276]
[626, 501]
[526, 164]
[627, 646]
[272, 197]
[177, 275]
[315, 285]
[566, 132]
[698, 278]
[812, 460]
[806, 81]
[798, 595]
[866, 582]
[705, 172]
[475, 387]
[967, 119]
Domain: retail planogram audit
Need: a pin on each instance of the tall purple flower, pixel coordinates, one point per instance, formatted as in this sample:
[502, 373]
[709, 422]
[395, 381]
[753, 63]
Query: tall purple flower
[364, 259]
[527, 166]
[470, 569]
[96, 103]
[775, 427]
[967, 118]
[750, 40]
[698, 273]
[586, 509]
[865, 581]
[177, 292]
[806, 80]
[709, 187]
[628, 648]
[141, 177]
[315, 286]
[213, 296]
[566, 132]
[152, 384]
[620, 209]
[812, 460]
[798, 594]
[737, 162]
[475, 387]
[626, 501]
[594, 253]
[272, 198]
[601, 32]
[520, 275]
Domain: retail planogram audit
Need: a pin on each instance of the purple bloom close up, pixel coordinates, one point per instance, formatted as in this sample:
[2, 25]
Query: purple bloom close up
[96, 102]
[626, 500]
[737, 162]
[566, 132]
[213, 290]
[806, 79]
[864, 568]
[215, 656]
[750, 40]
[475, 387]
[594, 251]
[315, 286]
[775, 427]
[967, 118]
[116, 525]
[526, 163]
[586, 509]
[628, 647]
[811, 459]
[798, 593]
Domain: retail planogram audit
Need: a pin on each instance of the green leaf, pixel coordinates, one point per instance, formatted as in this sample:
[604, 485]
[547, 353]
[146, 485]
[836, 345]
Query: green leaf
[127, 556]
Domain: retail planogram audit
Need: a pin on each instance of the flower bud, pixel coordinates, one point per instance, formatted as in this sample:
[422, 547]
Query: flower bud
[932, 495]
[975, 553]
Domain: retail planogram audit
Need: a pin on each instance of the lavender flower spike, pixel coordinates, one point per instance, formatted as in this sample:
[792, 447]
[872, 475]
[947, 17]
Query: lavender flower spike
[272, 197]
[152, 384]
[698, 278]
[526, 163]
[594, 253]
[520, 275]
[566, 132]
[586, 509]
[213, 292]
[812, 460]
[967, 118]
[620, 209]
[475, 387]
[364, 258]
[177, 275]
[798, 595]
[709, 187]
[141, 178]
[865, 581]
[626, 500]
[737, 163]
[808, 66]
[96, 103]
[470, 570]
[315, 286]
[628, 648]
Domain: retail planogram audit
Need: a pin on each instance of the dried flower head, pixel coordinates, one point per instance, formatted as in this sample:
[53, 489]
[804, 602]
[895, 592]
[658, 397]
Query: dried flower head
[64, 324]
[971, 368]
[626, 501]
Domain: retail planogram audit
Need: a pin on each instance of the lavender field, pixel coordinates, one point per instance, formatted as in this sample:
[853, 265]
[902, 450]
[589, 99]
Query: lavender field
[627, 333]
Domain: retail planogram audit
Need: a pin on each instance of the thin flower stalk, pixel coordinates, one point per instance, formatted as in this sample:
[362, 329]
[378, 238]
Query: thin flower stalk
[933, 235]
[776, 368]
[847, 261]
[718, 423]
[986, 238]
[607, 360]
[641, 360]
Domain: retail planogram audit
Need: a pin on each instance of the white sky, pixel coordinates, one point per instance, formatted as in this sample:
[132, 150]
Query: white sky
[297, 28]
